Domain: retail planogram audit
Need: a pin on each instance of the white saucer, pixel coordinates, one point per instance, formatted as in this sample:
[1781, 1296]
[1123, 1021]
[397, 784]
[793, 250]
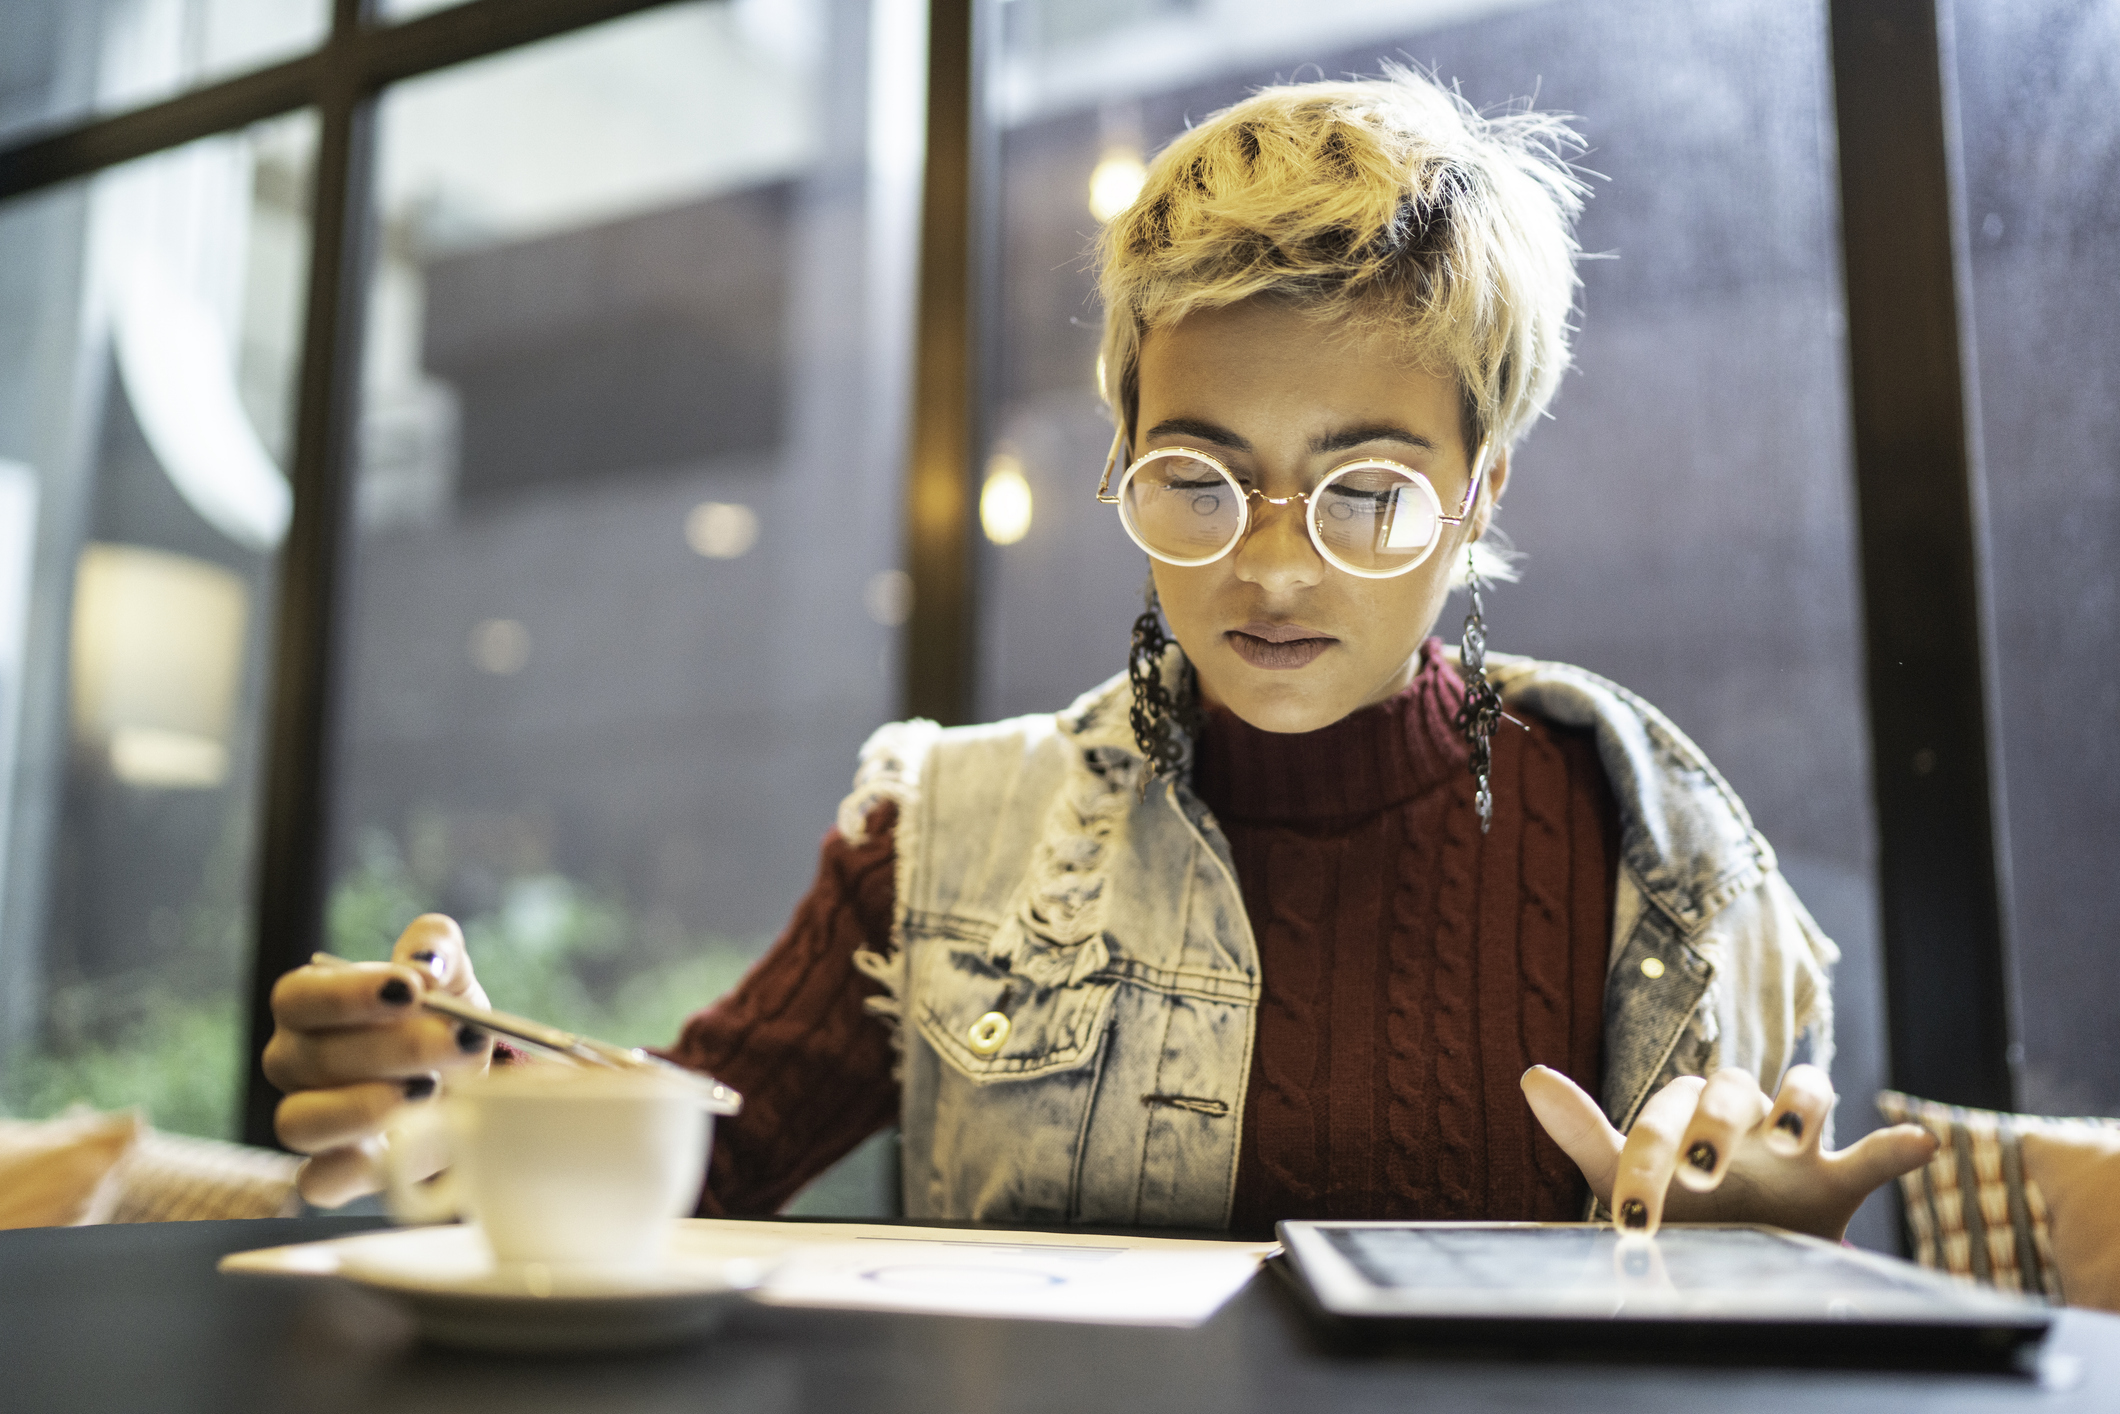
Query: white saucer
[447, 1279]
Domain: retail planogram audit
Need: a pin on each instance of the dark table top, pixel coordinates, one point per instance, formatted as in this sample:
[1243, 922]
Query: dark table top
[104, 1319]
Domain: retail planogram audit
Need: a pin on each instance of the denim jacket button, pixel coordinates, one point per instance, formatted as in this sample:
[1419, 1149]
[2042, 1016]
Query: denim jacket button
[1652, 968]
[988, 1033]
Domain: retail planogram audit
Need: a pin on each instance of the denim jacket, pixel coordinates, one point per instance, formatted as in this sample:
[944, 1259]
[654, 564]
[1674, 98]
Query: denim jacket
[1073, 977]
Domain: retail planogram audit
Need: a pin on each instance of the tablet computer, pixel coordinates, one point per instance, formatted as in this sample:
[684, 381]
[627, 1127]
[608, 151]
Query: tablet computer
[1719, 1291]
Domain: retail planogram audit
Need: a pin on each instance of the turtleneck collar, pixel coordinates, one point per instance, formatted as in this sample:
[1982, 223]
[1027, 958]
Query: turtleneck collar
[1383, 755]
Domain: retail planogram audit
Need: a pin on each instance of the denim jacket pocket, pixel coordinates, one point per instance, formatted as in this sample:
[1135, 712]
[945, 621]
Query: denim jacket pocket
[990, 1023]
[1653, 1000]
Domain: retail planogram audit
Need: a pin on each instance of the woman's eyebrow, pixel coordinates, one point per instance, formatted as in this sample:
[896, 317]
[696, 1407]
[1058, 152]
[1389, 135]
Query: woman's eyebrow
[1202, 429]
[1348, 437]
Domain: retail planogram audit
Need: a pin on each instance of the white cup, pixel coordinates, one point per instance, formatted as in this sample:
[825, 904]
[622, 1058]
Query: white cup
[561, 1166]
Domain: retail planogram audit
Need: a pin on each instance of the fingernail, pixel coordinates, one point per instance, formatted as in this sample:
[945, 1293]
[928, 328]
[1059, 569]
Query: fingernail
[469, 1039]
[419, 1087]
[1634, 1213]
[1702, 1156]
[396, 992]
[1790, 1123]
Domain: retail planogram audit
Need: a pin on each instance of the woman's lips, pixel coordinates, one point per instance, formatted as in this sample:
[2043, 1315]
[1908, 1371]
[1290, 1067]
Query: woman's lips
[1278, 646]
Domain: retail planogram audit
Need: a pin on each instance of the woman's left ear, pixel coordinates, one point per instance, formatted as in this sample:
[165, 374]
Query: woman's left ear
[1491, 487]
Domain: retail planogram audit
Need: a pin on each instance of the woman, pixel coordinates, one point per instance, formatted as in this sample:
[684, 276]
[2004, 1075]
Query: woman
[1296, 918]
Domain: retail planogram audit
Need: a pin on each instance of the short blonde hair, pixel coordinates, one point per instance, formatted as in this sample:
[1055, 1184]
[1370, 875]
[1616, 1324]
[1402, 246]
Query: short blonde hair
[1387, 201]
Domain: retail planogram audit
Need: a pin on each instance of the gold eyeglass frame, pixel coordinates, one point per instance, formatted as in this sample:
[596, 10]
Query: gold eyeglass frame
[1309, 498]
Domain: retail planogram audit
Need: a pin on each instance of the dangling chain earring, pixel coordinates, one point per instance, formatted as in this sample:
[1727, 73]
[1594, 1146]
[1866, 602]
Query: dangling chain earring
[1482, 710]
[1160, 717]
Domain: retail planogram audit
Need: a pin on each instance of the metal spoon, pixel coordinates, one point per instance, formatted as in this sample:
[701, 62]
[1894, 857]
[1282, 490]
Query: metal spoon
[566, 1045]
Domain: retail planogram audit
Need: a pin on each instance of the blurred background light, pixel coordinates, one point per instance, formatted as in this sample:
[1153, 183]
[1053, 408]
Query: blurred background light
[721, 530]
[1005, 501]
[888, 597]
[157, 662]
[1115, 182]
[500, 647]
[165, 760]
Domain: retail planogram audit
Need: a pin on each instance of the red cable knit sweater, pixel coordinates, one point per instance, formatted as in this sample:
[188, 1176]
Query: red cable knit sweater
[1412, 968]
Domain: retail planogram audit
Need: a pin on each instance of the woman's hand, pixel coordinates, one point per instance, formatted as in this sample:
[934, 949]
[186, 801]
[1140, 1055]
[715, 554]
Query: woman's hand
[1718, 1150]
[349, 1046]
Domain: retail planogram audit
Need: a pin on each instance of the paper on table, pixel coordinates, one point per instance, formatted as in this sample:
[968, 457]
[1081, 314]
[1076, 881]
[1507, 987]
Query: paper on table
[1159, 1281]
[943, 1271]
[1111, 1285]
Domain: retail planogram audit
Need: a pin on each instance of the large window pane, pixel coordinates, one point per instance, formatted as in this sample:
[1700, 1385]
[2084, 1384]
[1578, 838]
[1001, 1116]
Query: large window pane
[625, 589]
[1686, 514]
[146, 394]
[63, 60]
[2036, 80]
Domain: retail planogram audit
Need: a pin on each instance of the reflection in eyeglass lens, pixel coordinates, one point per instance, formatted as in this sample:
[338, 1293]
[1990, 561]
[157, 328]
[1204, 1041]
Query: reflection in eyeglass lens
[1374, 519]
[1183, 507]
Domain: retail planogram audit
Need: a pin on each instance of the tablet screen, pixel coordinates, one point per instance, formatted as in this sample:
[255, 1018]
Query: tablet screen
[1453, 1271]
[1506, 1259]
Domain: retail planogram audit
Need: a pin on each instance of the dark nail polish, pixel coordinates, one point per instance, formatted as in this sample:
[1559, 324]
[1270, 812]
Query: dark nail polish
[396, 992]
[1702, 1156]
[1790, 1123]
[1634, 1213]
[419, 1087]
[469, 1039]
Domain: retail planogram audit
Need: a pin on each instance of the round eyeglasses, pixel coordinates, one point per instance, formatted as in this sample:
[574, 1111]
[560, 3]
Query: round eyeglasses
[1371, 517]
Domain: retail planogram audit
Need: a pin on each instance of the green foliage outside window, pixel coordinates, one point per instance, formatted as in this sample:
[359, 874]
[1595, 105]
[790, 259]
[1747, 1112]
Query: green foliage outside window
[171, 1039]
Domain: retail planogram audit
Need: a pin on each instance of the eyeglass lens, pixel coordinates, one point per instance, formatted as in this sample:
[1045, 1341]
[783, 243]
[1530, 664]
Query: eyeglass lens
[1373, 520]
[1183, 509]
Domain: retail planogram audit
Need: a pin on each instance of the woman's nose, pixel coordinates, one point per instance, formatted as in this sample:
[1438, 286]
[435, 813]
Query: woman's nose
[1276, 553]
